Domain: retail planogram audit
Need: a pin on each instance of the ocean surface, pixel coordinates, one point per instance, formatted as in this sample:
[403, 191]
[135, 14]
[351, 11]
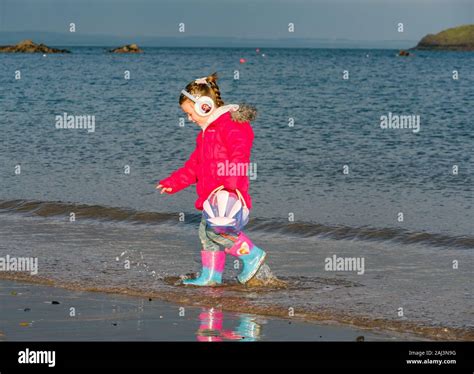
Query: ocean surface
[343, 177]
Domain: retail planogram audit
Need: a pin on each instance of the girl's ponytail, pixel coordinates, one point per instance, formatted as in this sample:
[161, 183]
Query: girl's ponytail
[212, 80]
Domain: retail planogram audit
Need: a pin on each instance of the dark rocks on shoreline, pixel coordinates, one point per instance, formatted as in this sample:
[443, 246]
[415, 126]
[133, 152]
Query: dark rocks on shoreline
[459, 38]
[27, 46]
[129, 48]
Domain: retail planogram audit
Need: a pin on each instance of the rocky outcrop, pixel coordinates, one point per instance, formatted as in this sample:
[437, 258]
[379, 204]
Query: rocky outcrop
[129, 48]
[455, 39]
[27, 46]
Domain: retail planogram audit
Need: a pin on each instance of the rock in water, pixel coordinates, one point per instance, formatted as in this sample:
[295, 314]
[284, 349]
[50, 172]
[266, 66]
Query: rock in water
[129, 48]
[455, 39]
[28, 46]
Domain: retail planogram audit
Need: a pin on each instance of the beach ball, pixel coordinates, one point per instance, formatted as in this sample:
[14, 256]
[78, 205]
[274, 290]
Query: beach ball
[242, 60]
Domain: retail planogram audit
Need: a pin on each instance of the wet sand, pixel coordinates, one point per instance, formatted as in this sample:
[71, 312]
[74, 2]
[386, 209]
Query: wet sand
[31, 312]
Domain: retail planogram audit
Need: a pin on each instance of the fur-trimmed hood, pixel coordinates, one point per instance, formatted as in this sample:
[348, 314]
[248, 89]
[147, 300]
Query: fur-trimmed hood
[239, 113]
[245, 113]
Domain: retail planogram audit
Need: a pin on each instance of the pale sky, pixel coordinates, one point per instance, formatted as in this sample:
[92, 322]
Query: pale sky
[347, 19]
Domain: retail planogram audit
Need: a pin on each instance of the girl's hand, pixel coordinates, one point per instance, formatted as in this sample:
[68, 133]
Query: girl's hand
[164, 189]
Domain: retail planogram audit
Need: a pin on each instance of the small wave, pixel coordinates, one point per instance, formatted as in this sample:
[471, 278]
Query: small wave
[298, 229]
[84, 211]
[307, 230]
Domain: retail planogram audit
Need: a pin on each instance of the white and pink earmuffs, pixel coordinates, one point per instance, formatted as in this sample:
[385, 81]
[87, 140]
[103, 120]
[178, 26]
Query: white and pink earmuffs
[203, 105]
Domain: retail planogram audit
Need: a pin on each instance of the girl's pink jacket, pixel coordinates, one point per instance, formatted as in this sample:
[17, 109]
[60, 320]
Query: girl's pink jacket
[222, 153]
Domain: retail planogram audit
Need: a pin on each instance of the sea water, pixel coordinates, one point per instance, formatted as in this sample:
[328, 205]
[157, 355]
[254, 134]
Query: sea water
[331, 180]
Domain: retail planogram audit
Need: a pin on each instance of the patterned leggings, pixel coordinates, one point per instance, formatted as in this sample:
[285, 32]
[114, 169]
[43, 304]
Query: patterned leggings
[212, 241]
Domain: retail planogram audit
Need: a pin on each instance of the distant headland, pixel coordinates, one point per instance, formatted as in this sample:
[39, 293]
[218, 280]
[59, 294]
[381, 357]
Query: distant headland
[455, 39]
[27, 46]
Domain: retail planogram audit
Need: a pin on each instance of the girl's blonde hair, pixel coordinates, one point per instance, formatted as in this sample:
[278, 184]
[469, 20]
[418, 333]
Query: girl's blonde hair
[197, 89]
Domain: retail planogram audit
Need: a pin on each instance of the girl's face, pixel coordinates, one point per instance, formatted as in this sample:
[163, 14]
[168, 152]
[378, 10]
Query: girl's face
[188, 108]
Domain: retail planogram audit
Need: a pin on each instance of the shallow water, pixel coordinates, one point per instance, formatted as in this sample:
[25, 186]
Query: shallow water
[436, 299]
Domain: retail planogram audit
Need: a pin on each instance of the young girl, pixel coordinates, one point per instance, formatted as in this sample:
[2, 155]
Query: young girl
[226, 139]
